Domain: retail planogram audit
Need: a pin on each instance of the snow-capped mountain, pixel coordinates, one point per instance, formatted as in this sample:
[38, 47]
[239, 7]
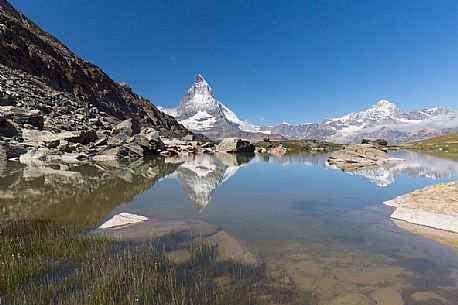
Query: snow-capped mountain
[201, 112]
[382, 120]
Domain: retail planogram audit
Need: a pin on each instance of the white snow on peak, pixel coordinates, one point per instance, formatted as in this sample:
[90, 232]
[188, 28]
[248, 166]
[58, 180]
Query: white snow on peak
[199, 110]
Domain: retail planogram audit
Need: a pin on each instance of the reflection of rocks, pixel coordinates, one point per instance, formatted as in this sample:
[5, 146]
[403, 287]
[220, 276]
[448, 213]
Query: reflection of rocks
[312, 158]
[357, 156]
[415, 164]
[434, 206]
[199, 175]
[181, 233]
[82, 192]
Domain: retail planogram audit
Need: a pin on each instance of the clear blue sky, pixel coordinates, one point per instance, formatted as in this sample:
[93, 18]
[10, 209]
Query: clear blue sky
[270, 61]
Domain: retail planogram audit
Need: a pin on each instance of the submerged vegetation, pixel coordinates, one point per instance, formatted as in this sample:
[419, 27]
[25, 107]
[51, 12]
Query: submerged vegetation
[42, 262]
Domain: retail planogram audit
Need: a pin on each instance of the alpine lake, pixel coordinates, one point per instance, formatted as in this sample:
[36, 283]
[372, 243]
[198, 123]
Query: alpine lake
[222, 229]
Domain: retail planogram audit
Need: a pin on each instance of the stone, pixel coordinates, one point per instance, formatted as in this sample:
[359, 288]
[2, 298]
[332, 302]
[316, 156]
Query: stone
[279, 150]
[123, 219]
[235, 145]
[150, 145]
[128, 127]
[83, 137]
[356, 156]
[101, 142]
[8, 128]
[207, 145]
[433, 206]
[150, 134]
[20, 115]
[427, 297]
[71, 158]
[32, 156]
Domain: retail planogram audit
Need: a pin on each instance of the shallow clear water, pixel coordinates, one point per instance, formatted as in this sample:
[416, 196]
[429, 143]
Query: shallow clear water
[326, 228]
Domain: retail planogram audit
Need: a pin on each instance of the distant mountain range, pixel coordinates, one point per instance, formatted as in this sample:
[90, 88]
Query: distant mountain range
[201, 112]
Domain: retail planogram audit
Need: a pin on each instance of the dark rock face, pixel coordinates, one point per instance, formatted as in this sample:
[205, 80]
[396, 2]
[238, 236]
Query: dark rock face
[63, 83]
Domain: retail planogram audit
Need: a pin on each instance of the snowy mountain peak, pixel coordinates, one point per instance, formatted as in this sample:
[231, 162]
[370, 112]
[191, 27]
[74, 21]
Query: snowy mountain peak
[384, 103]
[201, 112]
[200, 78]
[385, 106]
[200, 86]
[379, 111]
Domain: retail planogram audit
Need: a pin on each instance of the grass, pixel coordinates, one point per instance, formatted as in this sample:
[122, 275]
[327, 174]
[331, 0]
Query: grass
[42, 262]
[296, 146]
[446, 144]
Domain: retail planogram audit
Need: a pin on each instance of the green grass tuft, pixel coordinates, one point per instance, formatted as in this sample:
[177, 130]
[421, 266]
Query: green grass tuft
[45, 263]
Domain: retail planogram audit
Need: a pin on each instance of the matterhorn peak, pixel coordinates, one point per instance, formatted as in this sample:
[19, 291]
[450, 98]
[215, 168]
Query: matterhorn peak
[200, 78]
[200, 86]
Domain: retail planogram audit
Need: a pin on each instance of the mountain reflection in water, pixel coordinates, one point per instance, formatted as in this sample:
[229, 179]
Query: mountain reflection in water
[87, 192]
[415, 165]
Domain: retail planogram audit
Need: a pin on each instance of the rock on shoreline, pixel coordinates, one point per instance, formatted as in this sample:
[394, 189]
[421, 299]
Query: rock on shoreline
[433, 206]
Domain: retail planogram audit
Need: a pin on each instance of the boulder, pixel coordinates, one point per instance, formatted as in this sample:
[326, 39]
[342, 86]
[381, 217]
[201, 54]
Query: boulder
[23, 116]
[356, 156]
[150, 147]
[82, 136]
[128, 127]
[119, 152]
[7, 128]
[72, 158]
[235, 145]
[13, 151]
[32, 156]
[150, 134]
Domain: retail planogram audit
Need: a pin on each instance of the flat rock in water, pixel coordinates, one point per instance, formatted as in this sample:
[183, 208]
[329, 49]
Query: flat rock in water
[356, 156]
[123, 219]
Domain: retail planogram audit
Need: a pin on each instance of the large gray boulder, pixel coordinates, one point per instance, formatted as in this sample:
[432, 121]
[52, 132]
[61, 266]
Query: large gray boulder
[128, 127]
[235, 145]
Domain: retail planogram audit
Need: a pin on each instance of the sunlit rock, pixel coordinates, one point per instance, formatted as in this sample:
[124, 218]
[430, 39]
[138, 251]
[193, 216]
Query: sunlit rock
[123, 219]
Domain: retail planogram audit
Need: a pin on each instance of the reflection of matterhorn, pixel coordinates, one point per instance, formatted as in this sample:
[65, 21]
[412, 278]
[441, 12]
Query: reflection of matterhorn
[199, 175]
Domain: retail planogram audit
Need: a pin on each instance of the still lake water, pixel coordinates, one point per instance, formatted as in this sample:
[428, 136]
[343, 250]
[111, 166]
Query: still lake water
[326, 228]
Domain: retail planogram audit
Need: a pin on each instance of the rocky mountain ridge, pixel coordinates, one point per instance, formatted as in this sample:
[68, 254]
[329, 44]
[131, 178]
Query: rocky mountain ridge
[201, 112]
[53, 101]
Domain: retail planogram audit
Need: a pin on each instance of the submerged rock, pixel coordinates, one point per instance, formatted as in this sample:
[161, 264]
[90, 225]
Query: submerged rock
[181, 233]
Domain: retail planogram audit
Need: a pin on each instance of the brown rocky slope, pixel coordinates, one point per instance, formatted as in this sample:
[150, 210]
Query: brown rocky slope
[32, 51]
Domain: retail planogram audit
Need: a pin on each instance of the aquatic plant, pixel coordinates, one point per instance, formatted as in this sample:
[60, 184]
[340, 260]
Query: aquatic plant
[45, 263]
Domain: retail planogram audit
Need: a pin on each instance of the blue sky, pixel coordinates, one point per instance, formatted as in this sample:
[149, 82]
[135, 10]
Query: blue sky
[269, 61]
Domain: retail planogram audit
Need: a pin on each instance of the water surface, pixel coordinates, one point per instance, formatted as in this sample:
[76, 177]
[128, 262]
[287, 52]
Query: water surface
[326, 228]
